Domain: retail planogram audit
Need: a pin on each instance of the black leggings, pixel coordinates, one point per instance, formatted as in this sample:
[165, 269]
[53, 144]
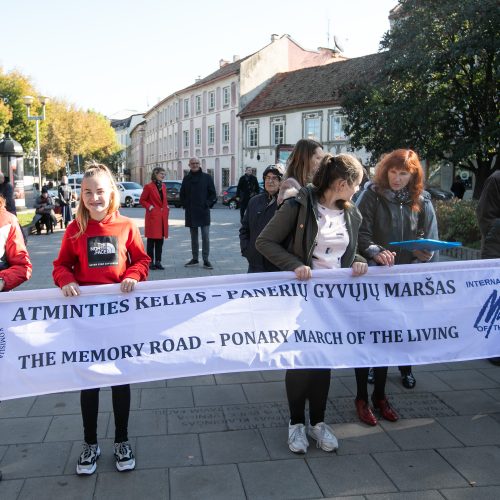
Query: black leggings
[312, 385]
[154, 248]
[380, 373]
[89, 400]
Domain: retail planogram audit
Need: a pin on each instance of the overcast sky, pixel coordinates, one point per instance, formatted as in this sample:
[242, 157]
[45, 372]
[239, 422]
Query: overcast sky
[115, 55]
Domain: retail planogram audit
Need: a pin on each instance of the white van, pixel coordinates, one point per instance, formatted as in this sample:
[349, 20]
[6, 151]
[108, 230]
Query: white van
[75, 181]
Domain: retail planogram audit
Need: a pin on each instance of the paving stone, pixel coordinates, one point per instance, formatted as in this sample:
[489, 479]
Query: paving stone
[23, 430]
[349, 475]
[16, 407]
[70, 427]
[476, 430]
[466, 379]
[3, 451]
[479, 465]
[482, 493]
[419, 470]
[470, 402]
[429, 382]
[253, 416]
[338, 389]
[273, 375]
[49, 488]
[168, 451]
[232, 447]
[151, 385]
[30, 460]
[493, 372]
[358, 438]
[473, 364]
[418, 434]
[191, 381]
[219, 395]
[238, 377]
[106, 461]
[147, 484]
[9, 490]
[265, 392]
[142, 423]
[408, 495]
[494, 393]
[261, 480]
[56, 404]
[202, 419]
[166, 398]
[221, 482]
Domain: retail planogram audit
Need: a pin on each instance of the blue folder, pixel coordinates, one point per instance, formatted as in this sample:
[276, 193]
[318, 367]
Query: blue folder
[425, 244]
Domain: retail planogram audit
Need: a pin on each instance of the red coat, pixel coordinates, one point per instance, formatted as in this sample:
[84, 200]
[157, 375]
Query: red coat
[156, 219]
[13, 252]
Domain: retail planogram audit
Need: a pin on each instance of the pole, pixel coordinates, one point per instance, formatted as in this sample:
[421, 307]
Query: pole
[38, 156]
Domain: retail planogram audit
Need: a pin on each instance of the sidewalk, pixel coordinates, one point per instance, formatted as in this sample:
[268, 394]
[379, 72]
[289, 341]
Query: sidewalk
[224, 436]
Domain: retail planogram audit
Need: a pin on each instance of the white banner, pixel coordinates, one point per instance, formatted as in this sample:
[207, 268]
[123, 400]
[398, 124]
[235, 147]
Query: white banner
[411, 314]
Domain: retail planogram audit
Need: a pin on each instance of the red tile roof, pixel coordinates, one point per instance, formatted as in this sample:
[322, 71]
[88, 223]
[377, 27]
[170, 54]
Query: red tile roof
[311, 87]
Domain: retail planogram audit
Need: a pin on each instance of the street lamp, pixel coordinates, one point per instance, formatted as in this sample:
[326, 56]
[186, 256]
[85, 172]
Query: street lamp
[28, 101]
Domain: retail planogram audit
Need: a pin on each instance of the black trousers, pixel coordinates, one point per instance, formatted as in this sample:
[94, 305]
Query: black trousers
[380, 373]
[89, 400]
[154, 248]
[307, 384]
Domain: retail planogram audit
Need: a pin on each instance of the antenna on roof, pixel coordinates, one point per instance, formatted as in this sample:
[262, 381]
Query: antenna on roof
[328, 33]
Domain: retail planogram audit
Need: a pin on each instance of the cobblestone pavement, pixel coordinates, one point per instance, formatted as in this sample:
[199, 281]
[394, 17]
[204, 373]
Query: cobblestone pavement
[224, 436]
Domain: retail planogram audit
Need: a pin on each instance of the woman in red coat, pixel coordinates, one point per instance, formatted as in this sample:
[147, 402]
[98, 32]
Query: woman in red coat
[154, 200]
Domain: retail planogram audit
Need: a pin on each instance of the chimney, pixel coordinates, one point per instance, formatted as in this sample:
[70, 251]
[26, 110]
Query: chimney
[236, 58]
[274, 37]
[223, 63]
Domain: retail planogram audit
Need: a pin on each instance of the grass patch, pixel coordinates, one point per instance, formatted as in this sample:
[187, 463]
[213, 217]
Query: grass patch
[25, 217]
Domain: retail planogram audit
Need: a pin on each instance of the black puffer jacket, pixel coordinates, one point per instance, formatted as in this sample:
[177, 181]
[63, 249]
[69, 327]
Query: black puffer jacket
[385, 220]
[488, 216]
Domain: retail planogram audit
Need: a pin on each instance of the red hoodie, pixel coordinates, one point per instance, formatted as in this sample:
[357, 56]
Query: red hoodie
[13, 252]
[109, 251]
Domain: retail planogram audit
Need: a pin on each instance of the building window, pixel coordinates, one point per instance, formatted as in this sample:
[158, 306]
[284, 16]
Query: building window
[211, 135]
[277, 131]
[252, 134]
[185, 138]
[186, 107]
[226, 96]
[337, 126]
[211, 100]
[197, 136]
[225, 132]
[197, 103]
[176, 110]
[312, 126]
[225, 177]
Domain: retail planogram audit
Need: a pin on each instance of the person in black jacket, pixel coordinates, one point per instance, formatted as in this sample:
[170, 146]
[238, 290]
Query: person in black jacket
[7, 191]
[65, 196]
[248, 186]
[198, 196]
[259, 212]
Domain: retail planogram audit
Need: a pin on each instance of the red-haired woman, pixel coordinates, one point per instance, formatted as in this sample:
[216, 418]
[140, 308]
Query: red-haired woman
[395, 207]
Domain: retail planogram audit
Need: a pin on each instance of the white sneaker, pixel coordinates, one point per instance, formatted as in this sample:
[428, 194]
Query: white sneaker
[324, 436]
[125, 459]
[297, 439]
[87, 462]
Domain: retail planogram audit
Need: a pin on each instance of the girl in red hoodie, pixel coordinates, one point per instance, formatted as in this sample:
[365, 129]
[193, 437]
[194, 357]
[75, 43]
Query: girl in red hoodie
[100, 247]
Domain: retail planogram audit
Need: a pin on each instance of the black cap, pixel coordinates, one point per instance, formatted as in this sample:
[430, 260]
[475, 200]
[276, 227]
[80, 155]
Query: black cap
[274, 169]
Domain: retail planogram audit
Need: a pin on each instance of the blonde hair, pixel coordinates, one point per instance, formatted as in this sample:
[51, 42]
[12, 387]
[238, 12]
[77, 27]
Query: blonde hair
[82, 213]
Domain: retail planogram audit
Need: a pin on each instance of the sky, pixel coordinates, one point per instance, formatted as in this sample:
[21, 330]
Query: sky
[116, 55]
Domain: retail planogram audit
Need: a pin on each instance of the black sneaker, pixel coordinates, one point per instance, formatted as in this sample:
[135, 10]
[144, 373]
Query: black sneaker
[371, 376]
[192, 262]
[87, 462]
[408, 380]
[125, 459]
[159, 266]
[207, 265]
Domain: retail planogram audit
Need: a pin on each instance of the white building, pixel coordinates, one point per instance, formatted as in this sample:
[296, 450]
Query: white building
[202, 119]
[122, 128]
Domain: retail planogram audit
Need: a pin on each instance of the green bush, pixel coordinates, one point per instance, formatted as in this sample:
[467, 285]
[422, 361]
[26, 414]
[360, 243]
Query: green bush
[457, 221]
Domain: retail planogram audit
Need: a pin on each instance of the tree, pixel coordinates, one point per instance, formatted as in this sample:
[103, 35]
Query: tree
[436, 87]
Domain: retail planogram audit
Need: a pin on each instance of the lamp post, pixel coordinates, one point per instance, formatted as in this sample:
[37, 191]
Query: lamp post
[28, 101]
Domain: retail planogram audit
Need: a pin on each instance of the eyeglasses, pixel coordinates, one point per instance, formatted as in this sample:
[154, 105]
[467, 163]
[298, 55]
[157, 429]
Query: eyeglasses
[271, 178]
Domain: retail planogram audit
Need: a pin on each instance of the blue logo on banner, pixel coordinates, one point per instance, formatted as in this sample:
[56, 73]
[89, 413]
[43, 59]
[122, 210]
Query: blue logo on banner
[489, 317]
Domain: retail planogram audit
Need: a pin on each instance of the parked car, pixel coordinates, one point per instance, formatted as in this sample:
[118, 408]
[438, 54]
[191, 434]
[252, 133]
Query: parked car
[228, 196]
[439, 194]
[130, 193]
[174, 193]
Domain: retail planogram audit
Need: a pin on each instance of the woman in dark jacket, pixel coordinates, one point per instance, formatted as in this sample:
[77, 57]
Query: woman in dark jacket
[154, 200]
[259, 212]
[323, 227]
[395, 207]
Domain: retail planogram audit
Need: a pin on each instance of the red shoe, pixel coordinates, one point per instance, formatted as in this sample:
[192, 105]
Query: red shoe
[364, 412]
[385, 409]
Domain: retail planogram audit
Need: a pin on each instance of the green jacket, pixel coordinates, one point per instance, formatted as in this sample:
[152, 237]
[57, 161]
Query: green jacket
[289, 239]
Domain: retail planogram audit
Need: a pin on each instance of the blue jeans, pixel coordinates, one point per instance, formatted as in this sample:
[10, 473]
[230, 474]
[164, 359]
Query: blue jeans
[205, 243]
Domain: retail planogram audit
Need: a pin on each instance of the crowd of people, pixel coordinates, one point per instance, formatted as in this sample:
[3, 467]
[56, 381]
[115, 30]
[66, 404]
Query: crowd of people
[303, 220]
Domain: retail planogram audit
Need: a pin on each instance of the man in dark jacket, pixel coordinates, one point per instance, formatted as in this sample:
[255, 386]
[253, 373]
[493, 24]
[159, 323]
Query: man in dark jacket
[7, 191]
[488, 217]
[198, 196]
[248, 186]
[260, 211]
[65, 195]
